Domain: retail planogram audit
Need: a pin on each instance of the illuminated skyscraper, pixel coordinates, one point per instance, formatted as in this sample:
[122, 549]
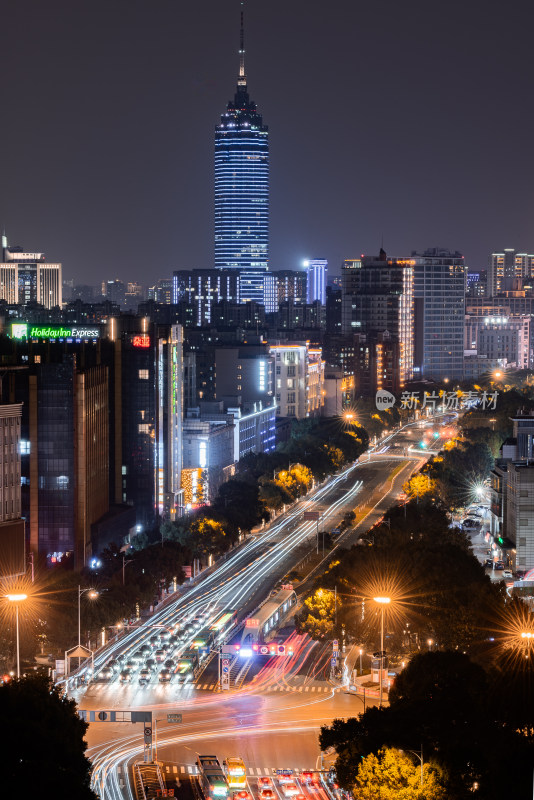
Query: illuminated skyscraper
[242, 189]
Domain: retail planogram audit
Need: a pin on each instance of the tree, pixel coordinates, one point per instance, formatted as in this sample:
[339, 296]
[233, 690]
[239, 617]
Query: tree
[317, 617]
[419, 485]
[392, 775]
[43, 743]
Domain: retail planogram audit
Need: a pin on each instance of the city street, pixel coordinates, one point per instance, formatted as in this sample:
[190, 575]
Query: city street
[283, 698]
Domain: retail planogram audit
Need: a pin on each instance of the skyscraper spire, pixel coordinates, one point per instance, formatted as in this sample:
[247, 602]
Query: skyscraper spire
[242, 80]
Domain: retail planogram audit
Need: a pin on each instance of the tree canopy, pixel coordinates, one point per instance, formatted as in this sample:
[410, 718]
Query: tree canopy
[43, 744]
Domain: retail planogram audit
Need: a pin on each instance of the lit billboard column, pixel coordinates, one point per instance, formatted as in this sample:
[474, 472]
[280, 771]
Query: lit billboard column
[169, 422]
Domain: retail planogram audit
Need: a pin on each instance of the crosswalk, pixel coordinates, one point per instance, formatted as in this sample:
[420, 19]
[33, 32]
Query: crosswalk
[277, 688]
[192, 769]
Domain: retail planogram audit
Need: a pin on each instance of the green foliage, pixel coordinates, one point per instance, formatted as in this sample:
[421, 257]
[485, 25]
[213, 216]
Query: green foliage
[42, 743]
[445, 703]
[317, 617]
[392, 775]
[442, 591]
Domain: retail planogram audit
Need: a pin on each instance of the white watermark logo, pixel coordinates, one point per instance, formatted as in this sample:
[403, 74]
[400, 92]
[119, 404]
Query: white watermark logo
[384, 400]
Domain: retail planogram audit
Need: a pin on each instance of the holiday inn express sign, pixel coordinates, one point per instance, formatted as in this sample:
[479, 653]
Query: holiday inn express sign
[23, 330]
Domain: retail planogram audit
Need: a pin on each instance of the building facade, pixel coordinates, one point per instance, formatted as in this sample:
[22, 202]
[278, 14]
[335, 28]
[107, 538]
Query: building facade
[28, 278]
[242, 189]
[507, 266]
[439, 311]
[299, 380]
[377, 302]
[12, 545]
[316, 270]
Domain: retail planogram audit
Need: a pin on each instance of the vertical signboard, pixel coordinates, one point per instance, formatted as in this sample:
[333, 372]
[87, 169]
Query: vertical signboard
[225, 673]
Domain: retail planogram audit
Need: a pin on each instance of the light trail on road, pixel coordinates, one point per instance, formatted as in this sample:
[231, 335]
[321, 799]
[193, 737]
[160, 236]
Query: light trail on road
[234, 583]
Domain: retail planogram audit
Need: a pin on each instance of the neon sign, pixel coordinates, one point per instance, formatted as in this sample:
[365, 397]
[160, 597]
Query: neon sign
[22, 330]
[141, 341]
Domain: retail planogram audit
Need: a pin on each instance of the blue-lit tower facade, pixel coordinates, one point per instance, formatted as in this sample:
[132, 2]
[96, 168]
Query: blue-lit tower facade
[242, 190]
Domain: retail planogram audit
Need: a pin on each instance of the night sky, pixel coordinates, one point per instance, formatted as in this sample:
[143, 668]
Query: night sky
[412, 121]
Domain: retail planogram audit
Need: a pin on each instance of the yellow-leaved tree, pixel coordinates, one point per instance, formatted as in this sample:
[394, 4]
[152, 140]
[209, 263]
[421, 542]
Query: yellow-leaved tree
[419, 485]
[393, 775]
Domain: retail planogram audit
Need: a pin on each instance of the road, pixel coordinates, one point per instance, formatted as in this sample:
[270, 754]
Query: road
[265, 714]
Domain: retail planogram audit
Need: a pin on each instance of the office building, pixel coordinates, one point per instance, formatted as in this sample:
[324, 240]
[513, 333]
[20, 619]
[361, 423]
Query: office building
[477, 283]
[291, 285]
[245, 372]
[377, 302]
[504, 341]
[242, 189]
[114, 291]
[12, 546]
[316, 272]
[202, 288]
[439, 311]
[299, 380]
[505, 267]
[28, 278]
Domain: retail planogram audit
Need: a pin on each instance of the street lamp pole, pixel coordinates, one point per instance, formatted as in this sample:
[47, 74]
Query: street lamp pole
[81, 591]
[383, 601]
[17, 598]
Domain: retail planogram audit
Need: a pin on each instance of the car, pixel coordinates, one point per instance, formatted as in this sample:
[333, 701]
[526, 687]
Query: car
[150, 664]
[170, 663]
[290, 789]
[144, 677]
[145, 650]
[160, 654]
[114, 665]
[488, 563]
[131, 664]
[265, 783]
[315, 785]
[154, 641]
[306, 777]
[267, 794]
[242, 794]
[300, 797]
[126, 676]
[165, 676]
[105, 674]
[507, 573]
[499, 565]
[285, 776]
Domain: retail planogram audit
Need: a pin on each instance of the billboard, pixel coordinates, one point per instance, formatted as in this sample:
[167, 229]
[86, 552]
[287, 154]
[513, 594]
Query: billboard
[26, 330]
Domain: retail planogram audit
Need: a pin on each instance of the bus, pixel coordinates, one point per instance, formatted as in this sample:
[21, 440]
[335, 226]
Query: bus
[236, 774]
[184, 670]
[211, 778]
[224, 622]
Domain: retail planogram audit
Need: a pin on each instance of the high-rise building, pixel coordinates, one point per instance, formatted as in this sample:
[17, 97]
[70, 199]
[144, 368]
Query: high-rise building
[506, 266]
[439, 309]
[242, 189]
[291, 285]
[28, 278]
[377, 301]
[316, 270]
[12, 549]
[299, 380]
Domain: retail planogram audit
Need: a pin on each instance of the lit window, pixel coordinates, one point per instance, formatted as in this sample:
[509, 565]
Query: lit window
[143, 428]
[143, 374]
[24, 447]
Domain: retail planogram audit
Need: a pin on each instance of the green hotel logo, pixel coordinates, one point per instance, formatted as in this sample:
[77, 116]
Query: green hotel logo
[21, 330]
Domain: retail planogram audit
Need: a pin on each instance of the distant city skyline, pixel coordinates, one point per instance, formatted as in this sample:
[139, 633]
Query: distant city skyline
[107, 137]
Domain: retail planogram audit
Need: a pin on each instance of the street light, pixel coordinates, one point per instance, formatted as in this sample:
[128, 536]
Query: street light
[92, 595]
[419, 754]
[17, 599]
[383, 601]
